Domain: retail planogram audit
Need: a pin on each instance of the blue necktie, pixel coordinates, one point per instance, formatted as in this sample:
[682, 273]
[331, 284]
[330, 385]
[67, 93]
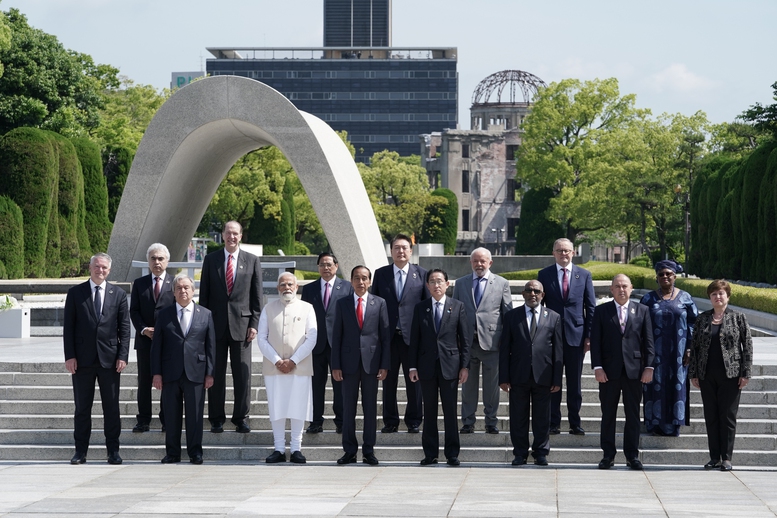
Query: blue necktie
[478, 292]
[97, 302]
[437, 316]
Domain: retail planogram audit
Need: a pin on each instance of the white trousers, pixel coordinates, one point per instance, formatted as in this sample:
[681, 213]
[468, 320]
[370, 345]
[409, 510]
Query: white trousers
[279, 434]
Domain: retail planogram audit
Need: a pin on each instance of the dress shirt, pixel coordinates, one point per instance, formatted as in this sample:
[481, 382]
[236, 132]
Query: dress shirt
[560, 275]
[102, 293]
[190, 310]
[331, 288]
[234, 265]
[529, 316]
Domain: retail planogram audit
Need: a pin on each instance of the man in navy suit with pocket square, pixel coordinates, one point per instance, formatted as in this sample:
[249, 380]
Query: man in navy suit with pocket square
[529, 371]
[96, 335]
[622, 355]
[182, 361]
[361, 349]
[440, 342]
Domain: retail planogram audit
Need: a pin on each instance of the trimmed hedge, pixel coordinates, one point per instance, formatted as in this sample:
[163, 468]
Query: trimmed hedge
[117, 163]
[71, 184]
[12, 243]
[447, 216]
[536, 233]
[98, 226]
[29, 175]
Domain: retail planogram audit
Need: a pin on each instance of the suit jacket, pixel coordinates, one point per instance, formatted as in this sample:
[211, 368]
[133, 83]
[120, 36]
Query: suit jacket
[400, 313]
[233, 314]
[735, 341]
[577, 312]
[486, 319]
[144, 309]
[91, 340]
[325, 318]
[371, 343]
[613, 351]
[172, 353]
[520, 357]
[451, 345]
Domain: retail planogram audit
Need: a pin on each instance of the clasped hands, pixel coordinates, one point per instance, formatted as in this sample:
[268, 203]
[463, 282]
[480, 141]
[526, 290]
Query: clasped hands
[285, 366]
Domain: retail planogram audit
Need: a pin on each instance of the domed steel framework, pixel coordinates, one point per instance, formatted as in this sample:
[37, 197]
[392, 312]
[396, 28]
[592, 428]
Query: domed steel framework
[491, 89]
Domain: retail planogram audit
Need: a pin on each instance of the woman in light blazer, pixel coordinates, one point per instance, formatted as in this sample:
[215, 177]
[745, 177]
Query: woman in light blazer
[720, 366]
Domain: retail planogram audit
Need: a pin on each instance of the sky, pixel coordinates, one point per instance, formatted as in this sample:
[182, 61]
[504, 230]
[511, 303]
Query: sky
[717, 56]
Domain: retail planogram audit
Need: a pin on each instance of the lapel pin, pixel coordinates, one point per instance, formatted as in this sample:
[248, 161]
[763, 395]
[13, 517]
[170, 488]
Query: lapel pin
[337, 287]
[545, 314]
[414, 276]
[633, 311]
[577, 276]
[241, 267]
[449, 310]
[427, 310]
[110, 291]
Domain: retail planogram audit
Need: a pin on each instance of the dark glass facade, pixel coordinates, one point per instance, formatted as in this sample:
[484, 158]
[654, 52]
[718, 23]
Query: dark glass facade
[357, 23]
[381, 103]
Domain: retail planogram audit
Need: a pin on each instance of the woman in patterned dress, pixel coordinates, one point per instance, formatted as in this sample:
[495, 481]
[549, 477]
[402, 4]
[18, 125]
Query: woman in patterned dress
[673, 313]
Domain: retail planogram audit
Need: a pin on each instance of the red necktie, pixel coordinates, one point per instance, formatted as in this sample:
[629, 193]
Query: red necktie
[359, 313]
[565, 285]
[230, 275]
[156, 288]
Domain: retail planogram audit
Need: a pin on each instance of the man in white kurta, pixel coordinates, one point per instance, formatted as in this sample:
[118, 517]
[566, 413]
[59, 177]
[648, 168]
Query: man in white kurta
[287, 336]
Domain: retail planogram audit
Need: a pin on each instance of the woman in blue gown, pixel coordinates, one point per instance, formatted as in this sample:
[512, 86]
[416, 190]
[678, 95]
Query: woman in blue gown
[673, 313]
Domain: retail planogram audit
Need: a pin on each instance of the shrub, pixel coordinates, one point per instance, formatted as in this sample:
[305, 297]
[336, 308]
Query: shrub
[643, 261]
[753, 170]
[12, 242]
[71, 183]
[98, 226]
[117, 163]
[441, 222]
[536, 233]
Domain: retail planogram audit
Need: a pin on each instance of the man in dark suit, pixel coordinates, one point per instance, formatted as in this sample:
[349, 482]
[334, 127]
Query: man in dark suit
[96, 335]
[402, 286]
[569, 291]
[182, 359]
[530, 370]
[440, 341]
[150, 294]
[361, 348]
[622, 357]
[231, 288]
[323, 295]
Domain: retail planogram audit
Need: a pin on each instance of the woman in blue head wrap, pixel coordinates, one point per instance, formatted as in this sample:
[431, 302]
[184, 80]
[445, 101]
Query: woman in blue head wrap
[673, 314]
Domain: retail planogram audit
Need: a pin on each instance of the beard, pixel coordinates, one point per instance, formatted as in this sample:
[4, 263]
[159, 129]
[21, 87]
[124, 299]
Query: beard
[288, 297]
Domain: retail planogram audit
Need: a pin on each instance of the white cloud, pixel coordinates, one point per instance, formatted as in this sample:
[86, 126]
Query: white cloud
[677, 78]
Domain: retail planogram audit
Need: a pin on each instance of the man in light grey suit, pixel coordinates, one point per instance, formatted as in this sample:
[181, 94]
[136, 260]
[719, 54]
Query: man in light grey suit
[486, 299]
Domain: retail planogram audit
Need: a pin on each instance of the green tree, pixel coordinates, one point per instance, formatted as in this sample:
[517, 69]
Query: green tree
[441, 220]
[71, 188]
[763, 118]
[97, 225]
[767, 222]
[12, 244]
[536, 233]
[5, 37]
[46, 86]
[117, 163]
[562, 150]
[753, 171]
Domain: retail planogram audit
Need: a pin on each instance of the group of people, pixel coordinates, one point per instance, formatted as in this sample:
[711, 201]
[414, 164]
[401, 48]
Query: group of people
[365, 329]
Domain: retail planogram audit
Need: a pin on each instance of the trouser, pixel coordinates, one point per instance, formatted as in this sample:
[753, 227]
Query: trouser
[413, 410]
[573, 371]
[369, 393]
[279, 434]
[240, 359]
[176, 396]
[522, 397]
[83, 393]
[321, 371]
[609, 396]
[448, 394]
[144, 388]
[489, 361]
[720, 399]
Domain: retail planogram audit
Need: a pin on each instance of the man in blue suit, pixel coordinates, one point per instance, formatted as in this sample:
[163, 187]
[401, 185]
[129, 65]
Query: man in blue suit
[361, 348]
[569, 291]
[183, 355]
[96, 335]
[402, 286]
[323, 295]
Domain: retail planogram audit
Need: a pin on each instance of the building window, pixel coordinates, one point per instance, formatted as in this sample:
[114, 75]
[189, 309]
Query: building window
[512, 226]
[465, 151]
[510, 190]
[510, 151]
[465, 220]
[464, 181]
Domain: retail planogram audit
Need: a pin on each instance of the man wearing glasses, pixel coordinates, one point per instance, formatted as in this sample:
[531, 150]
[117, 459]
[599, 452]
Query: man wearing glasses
[569, 291]
[402, 286]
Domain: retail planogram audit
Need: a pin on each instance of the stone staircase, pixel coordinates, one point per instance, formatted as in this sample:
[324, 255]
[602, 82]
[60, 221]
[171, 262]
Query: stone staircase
[36, 424]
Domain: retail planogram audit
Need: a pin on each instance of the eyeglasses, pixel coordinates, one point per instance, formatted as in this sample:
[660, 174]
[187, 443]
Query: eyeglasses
[665, 274]
[437, 282]
[532, 290]
[400, 248]
[564, 252]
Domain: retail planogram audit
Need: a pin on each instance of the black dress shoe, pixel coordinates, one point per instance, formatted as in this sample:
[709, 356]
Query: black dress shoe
[426, 461]
[298, 458]
[196, 459]
[338, 429]
[216, 428]
[315, 428]
[78, 458]
[370, 458]
[635, 464]
[467, 428]
[554, 430]
[242, 427]
[114, 458]
[518, 461]
[541, 460]
[726, 466]
[713, 464]
[412, 429]
[276, 457]
[170, 459]
[140, 428]
[492, 429]
[453, 461]
[606, 463]
[577, 430]
[388, 429]
[348, 458]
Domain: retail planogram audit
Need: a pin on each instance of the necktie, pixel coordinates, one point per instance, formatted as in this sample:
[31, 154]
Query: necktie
[157, 285]
[400, 285]
[98, 305]
[230, 274]
[359, 313]
[623, 319]
[184, 321]
[565, 285]
[437, 315]
[326, 296]
[533, 326]
[478, 291]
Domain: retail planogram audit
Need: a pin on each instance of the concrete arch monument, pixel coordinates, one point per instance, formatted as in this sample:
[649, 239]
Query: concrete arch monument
[192, 142]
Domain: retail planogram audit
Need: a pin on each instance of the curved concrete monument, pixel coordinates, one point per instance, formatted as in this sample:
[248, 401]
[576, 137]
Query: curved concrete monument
[192, 142]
